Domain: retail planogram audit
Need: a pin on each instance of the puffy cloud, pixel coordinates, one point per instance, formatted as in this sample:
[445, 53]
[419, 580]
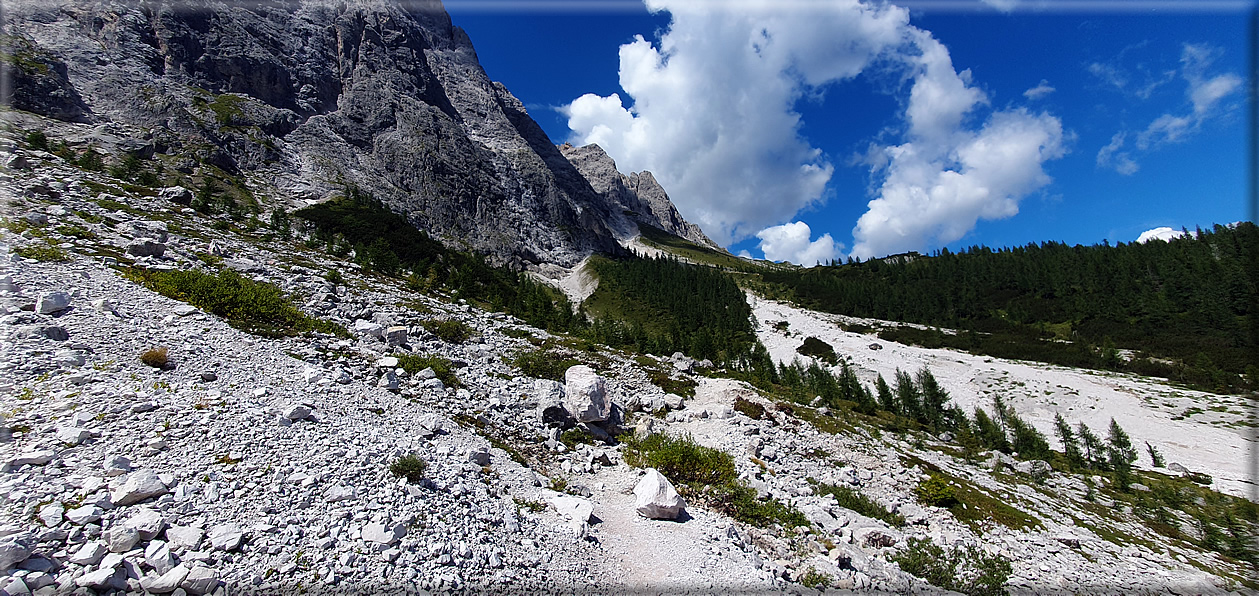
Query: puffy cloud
[946, 177]
[712, 112]
[790, 242]
[1164, 233]
[1039, 91]
[1112, 156]
[935, 195]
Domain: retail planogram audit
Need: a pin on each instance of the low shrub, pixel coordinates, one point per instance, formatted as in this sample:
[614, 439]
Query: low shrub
[410, 467]
[681, 459]
[708, 476]
[855, 501]
[544, 364]
[573, 437]
[819, 349]
[45, 252]
[968, 570]
[252, 306]
[157, 358]
[450, 331]
[684, 387]
[750, 409]
[414, 363]
[815, 580]
[936, 491]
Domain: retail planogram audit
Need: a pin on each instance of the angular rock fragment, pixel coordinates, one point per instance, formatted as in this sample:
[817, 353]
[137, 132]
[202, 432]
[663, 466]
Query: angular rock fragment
[140, 485]
[585, 394]
[655, 497]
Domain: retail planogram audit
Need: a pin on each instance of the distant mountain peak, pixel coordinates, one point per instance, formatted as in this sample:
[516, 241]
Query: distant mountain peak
[637, 196]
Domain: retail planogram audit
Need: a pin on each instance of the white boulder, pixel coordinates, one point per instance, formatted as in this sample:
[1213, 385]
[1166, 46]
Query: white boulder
[586, 394]
[655, 497]
[140, 485]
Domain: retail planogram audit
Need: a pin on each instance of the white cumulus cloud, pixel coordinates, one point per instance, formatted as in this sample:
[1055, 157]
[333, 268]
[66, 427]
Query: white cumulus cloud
[791, 242]
[946, 177]
[710, 109]
[1113, 156]
[1039, 91]
[1163, 233]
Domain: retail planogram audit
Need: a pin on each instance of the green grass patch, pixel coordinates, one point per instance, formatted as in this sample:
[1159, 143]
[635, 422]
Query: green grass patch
[46, 251]
[708, 476]
[859, 503]
[414, 363]
[748, 408]
[684, 387]
[544, 364]
[451, 331]
[968, 570]
[252, 306]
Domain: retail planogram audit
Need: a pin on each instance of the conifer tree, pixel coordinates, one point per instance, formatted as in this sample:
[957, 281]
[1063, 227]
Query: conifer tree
[887, 401]
[934, 398]
[1070, 444]
[908, 396]
[1094, 449]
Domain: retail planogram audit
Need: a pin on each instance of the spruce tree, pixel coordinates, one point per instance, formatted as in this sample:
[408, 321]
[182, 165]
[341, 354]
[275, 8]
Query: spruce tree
[1094, 449]
[887, 401]
[908, 396]
[1070, 445]
[934, 398]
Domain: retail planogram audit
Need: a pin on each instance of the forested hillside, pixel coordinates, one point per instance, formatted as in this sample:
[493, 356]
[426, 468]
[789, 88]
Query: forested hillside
[1184, 307]
[660, 305]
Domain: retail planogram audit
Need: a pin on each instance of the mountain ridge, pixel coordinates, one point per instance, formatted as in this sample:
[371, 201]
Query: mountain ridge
[296, 101]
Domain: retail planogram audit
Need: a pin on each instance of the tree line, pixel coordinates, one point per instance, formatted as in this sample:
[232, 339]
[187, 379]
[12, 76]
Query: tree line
[1186, 307]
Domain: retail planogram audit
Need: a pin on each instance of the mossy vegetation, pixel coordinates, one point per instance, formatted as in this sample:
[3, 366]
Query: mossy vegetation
[410, 467]
[252, 306]
[414, 363]
[708, 476]
[819, 349]
[850, 499]
[967, 569]
[544, 364]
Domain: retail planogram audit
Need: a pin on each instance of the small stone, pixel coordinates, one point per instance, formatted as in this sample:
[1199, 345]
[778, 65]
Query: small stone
[297, 412]
[167, 582]
[32, 458]
[158, 556]
[122, 539]
[117, 465]
[147, 522]
[89, 554]
[396, 335]
[52, 302]
[52, 514]
[74, 436]
[226, 537]
[185, 537]
[107, 578]
[12, 552]
[575, 508]
[479, 456]
[209, 376]
[140, 485]
[84, 515]
[383, 533]
[200, 580]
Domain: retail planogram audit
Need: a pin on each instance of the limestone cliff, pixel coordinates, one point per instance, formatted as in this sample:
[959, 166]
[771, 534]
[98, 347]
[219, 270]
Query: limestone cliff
[302, 97]
[637, 196]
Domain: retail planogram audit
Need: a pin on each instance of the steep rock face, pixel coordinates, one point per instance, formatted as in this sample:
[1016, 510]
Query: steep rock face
[637, 196]
[302, 97]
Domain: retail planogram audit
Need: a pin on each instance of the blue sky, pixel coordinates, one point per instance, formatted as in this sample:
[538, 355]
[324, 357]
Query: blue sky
[805, 130]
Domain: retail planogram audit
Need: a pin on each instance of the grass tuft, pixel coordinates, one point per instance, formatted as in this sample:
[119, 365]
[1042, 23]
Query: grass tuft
[410, 467]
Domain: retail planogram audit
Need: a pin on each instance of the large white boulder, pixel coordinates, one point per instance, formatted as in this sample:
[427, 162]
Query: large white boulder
[586, 394]
[655, 497]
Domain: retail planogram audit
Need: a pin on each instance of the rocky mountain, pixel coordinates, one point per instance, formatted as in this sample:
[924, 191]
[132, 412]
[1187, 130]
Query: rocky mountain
[295, 100]
[637, 196]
